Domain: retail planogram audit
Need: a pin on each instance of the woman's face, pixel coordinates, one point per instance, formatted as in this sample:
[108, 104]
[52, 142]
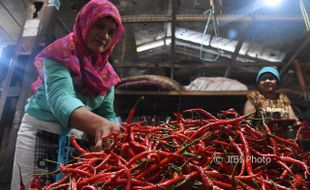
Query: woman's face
[100, 35]
[267, 83]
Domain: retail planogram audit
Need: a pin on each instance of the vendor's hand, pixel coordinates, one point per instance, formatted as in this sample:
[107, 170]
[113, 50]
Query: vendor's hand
[95, 126]
[104, 130]
[297, 124]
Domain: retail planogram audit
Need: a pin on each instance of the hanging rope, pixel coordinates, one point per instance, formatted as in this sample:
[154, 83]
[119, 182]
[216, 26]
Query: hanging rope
[211, 14]
[304, 14]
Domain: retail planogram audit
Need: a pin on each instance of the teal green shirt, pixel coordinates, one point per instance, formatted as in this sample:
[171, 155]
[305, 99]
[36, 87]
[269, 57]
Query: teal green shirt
[56, 98]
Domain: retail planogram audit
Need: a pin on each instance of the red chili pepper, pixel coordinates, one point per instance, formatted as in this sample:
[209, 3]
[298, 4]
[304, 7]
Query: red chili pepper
[155, 177]
[273, 185]
[273, 142]
[60, 182]
[73, 184]
[147, 129]
[134, 182]
[138, 157]
[222, 184]
[75, 171]
[169, 154]
[287, 142]
[60, 186]
[133, 110]
[76, 145]
[215, 125]
[47, 183]
[88, 187]
[128, 172]
[95, 178]
[223, 143]
[36, 183]
[164, 161]
[298, 133]
[284, 174]
[208, 184]
[253, 132]
[241, 155]
[230, 112]
[170, 182]
[89, 168]
[284, 166]
[296, 162]
[153, 157]
[89, 155]
[247, 177]
[136, 144]
[126, 151]
[104, 161]
[248, 160]
[201, 111]
[180, 153]
[264, 186]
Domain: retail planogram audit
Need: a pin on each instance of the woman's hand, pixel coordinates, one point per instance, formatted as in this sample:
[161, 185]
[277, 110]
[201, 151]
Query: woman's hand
[104, 130]
[93, 125]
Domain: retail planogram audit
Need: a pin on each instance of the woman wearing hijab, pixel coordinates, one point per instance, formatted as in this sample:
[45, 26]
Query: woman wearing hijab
[75, 86]
[267, 101]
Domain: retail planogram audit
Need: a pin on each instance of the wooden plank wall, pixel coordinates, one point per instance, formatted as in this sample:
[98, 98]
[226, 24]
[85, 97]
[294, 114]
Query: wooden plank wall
[12, 15]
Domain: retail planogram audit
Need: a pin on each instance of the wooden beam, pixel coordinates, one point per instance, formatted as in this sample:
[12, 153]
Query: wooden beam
[172, 46]
[196, 65]
[12, 16]
[9, 25]
[286, 67]
[204, 18]
[185, 93]
[66, 16]
[301, 80]
[25, 3]
[63, 25]
[241, 39]
[5, 37]
[12, 91]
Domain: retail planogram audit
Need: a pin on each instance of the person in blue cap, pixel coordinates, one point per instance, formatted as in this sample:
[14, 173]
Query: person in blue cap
[267, 100]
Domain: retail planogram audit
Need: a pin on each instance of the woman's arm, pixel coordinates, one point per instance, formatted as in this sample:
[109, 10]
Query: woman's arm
[93, 125]
[68, 109]
[249, 108]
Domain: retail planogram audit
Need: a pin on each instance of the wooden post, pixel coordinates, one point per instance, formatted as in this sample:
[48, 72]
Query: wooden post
[123, 54]
[36, 33]
[301, 79]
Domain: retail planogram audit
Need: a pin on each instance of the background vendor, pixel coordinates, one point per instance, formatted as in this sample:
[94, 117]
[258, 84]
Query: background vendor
[267, 100]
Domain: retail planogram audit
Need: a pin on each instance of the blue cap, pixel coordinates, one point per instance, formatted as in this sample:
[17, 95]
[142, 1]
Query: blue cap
[271, 70]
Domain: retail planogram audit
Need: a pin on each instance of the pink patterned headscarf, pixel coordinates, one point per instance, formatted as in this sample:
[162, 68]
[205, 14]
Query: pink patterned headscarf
[93, 71]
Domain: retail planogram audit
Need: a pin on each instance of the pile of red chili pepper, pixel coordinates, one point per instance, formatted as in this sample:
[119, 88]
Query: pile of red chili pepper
[196, 150]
